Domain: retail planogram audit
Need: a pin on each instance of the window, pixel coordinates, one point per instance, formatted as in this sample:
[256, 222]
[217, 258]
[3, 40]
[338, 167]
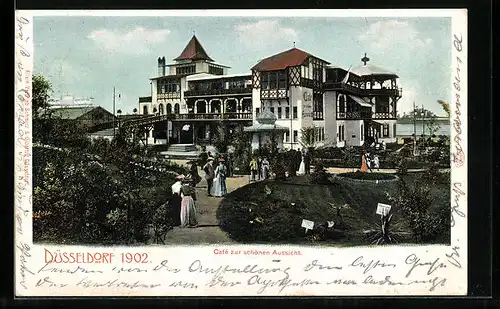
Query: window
[287, 136]
[318, 106]
[362, 132]
[272, 109]
[295, 136]
[169, 108]
[385, 130]
[279, 112]
[215, 70]
[282, 80]
[234, 84]
[145, 109]
[257, 111]
[273, 80]
[189, 69]
[295, 112]
[287, 112]
[394, 130]
[167, 86]
[161, 109]
[264, 80]
[177, 108]
[341, 133]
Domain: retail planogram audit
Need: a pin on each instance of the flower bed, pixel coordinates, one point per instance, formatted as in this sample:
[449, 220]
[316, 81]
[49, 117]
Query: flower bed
[367, 177]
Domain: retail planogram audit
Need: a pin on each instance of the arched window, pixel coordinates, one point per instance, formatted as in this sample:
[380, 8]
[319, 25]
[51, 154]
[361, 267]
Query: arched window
[215, 106]
[201, 107]
[145, 109]
[177, 108]
[160, 109]
[231, 105]
[169, 108]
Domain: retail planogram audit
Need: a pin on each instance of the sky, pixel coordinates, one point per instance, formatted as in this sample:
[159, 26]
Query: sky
[86, 56]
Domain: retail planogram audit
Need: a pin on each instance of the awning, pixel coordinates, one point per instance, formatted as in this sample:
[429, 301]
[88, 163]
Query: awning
[360, 101]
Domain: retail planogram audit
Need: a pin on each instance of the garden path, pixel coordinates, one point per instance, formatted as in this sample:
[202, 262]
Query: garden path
[208, 231]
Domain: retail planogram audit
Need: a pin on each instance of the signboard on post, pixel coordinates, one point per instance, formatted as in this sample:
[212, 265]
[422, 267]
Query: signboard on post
[308, 225]
[383, 209]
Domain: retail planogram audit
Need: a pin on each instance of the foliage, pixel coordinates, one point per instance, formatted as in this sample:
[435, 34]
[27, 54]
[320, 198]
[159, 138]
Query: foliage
[222, 137]
[433, 126]
[307, 137]
[416, 200]
[446, 107]
[351, 157]
[41, 90]
[242, 151]
[319, 175]
[278, 166]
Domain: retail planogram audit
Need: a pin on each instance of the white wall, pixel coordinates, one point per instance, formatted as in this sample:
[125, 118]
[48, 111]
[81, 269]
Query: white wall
[330, 117]
[353, 128]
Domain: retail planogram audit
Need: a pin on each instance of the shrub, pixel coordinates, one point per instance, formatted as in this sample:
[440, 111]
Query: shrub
[278, 166]
[415, 201]
[319, 175]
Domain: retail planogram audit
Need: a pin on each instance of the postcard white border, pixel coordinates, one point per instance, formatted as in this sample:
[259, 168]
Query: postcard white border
[445, 273]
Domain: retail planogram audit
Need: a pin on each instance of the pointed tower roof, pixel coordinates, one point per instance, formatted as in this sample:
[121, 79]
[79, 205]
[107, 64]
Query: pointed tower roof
[194, 51]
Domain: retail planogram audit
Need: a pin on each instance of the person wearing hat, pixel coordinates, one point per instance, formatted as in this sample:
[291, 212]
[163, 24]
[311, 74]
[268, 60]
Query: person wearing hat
[188, 206]
[193, 171]
[219, 188]
[208, 168]
[175, 201]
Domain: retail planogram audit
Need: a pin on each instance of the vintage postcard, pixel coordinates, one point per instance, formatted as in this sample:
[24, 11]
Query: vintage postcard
[241, 153]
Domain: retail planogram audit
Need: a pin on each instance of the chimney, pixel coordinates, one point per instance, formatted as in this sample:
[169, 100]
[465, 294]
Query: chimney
[161, 66]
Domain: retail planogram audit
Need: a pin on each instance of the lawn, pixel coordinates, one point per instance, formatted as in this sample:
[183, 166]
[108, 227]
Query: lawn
[272, 211]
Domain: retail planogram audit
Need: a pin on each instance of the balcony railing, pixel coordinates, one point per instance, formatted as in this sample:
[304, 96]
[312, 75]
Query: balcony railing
[397, 92]
[169, 95]
[197, 93]
[212, 116]
[384, 115]
[274, 94]
[365, 115]
[354, 115]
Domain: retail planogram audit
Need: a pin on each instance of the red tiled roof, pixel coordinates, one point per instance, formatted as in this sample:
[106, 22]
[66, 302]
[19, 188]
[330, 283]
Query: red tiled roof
[289, 58]
[194, 51]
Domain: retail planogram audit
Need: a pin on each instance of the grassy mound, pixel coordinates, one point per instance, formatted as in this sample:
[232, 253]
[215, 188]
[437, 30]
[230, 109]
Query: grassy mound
[272, 212]
[367, 176]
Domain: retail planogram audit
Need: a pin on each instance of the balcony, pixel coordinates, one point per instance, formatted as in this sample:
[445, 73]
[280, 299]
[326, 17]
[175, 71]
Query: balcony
[169, 95]
[274, 94]
[310, 83]
[205, 92]
[387, 115]
[396, 92]
[357, 115]
[211, 116]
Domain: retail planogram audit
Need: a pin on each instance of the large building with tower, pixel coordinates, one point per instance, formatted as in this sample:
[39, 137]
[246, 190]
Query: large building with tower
[192, 95]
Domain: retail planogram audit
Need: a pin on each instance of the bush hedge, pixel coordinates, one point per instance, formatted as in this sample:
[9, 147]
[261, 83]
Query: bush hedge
[367, 176]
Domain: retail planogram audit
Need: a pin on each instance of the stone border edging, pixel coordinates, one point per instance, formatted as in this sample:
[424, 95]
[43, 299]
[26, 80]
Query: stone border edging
[396, 178]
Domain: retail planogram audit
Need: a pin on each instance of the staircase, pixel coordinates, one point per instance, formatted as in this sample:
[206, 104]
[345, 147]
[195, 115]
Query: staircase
[181, 152]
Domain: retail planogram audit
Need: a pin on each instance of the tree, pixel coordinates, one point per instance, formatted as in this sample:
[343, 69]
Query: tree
[41, 90]
[433, 126]
[135, 111]
[222, 138]
[119, 112]
[445, 106]
[308, 137]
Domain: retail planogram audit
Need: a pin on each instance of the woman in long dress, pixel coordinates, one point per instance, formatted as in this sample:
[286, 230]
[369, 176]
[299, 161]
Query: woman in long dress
[188, 206]
[364, 166]
[175, 201]
[265, 168]
[219, 188]
[302, 166]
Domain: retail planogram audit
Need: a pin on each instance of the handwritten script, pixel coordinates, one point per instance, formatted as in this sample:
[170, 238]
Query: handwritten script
[22, 192]
[255, 278]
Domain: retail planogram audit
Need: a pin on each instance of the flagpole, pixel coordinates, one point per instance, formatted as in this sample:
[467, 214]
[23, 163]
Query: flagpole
[414, 130]
[114, 98]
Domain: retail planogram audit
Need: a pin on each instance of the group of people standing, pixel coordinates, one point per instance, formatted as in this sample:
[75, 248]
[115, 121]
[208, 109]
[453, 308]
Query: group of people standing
[216, 177]
[183, 200]
[369, 162]
[259, 168]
